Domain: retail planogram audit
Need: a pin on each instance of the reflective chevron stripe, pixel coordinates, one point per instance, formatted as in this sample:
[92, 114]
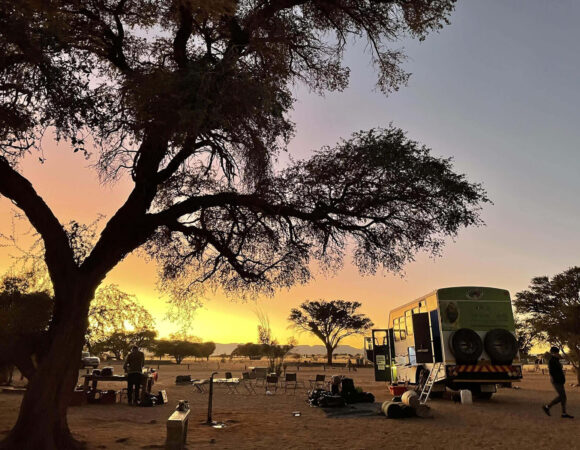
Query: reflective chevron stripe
[483, 368]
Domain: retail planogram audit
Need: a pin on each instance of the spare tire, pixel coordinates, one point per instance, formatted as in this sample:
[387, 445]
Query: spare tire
[466, 346]
[501, 346]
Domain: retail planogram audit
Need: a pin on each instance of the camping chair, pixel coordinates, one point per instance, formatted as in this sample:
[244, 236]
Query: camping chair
[247, 383]
[291, 382]
[231, 384]
[271, 381]
[260, 374]
[318, 382]
[199, 386]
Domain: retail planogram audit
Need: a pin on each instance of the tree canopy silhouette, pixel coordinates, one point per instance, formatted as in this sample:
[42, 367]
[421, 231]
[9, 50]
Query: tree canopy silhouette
[191, 100]
[330, 321]
[26, 313]
[111, 312]
[552, 308]
[24, 318]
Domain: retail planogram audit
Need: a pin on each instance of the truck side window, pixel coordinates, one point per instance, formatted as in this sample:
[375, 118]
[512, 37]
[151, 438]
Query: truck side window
[409, 322]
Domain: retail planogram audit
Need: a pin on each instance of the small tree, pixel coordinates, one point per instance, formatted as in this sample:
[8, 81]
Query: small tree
[179, 350]
[330, 321]
[249, 350]
[553, 308]
[120, 342]
[112, 311]
[206, 349]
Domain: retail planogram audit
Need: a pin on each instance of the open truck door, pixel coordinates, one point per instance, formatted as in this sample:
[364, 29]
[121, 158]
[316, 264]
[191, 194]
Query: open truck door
[381, 342]
[422, 330]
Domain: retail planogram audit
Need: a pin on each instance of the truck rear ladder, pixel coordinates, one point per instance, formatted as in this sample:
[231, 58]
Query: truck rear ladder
[431, 379]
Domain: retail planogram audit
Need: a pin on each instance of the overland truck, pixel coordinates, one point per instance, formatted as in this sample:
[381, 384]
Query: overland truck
[456, 337]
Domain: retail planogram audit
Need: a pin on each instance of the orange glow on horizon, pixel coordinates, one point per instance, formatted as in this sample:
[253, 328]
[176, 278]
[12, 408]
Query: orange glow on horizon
[71, 188]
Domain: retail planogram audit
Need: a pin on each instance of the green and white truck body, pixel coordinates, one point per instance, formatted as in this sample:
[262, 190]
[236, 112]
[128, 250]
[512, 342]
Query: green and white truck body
[469, 330]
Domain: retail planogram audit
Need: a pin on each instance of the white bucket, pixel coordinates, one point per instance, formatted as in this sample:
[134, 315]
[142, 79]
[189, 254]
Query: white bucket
[466, 397]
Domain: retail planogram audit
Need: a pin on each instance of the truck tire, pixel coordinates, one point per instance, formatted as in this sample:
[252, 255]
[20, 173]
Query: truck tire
[501, 346]
[466, 346]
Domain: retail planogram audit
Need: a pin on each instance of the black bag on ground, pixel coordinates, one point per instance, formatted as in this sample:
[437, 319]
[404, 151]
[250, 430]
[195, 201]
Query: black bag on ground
[325, 399]
[368, 397]
[331, 401]
[315, 394]
[149, 400]
[107, 372]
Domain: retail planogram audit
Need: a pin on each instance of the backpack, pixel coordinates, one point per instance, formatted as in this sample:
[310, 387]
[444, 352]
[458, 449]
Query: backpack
[347, 387]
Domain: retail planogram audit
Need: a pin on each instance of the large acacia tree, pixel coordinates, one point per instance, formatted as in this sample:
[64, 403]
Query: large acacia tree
[552, 309]
[330, 322]
[190, 100]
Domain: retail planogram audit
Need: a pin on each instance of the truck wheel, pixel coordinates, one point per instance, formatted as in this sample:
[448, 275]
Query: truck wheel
[501, 346]
[466, 346]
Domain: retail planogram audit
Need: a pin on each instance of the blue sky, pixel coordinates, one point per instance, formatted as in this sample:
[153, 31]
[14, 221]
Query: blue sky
[498, 91]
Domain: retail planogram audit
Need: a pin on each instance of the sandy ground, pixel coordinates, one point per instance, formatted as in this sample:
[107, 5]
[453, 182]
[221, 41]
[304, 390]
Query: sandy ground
[512, 419]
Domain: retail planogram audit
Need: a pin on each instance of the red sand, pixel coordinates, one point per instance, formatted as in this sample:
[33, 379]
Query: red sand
[512, 419]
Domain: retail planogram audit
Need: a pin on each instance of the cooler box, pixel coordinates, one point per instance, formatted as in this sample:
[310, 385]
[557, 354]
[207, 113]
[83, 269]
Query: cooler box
[397, 390]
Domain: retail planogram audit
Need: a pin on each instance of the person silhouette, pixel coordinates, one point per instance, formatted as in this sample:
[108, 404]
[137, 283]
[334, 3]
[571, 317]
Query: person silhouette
[134, 368]
[558, 379]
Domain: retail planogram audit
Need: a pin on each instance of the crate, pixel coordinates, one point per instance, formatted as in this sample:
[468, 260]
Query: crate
[397, 390]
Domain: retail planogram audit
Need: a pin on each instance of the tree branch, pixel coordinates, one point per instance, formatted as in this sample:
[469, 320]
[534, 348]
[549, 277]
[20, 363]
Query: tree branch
[59, 255]
[182, 36]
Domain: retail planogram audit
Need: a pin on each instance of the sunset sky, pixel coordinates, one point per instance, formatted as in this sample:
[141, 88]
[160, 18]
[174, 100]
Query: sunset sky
[497, 90]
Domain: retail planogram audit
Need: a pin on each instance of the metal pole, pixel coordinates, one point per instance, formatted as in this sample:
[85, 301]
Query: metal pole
[210, 400]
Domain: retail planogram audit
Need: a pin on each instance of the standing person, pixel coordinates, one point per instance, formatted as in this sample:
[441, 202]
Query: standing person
[558, 379]
[134, 368]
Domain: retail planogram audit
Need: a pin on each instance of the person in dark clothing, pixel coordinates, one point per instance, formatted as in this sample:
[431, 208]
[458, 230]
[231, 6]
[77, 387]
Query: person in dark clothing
[134, 368]
[558, 379]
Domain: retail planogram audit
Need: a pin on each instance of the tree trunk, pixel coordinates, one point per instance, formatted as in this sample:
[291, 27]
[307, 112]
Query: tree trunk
[329, 352]
[42, 421]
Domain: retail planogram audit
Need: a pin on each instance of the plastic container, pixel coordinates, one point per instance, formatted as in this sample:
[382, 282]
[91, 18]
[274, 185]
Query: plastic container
[466, 397]
[397, 389]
